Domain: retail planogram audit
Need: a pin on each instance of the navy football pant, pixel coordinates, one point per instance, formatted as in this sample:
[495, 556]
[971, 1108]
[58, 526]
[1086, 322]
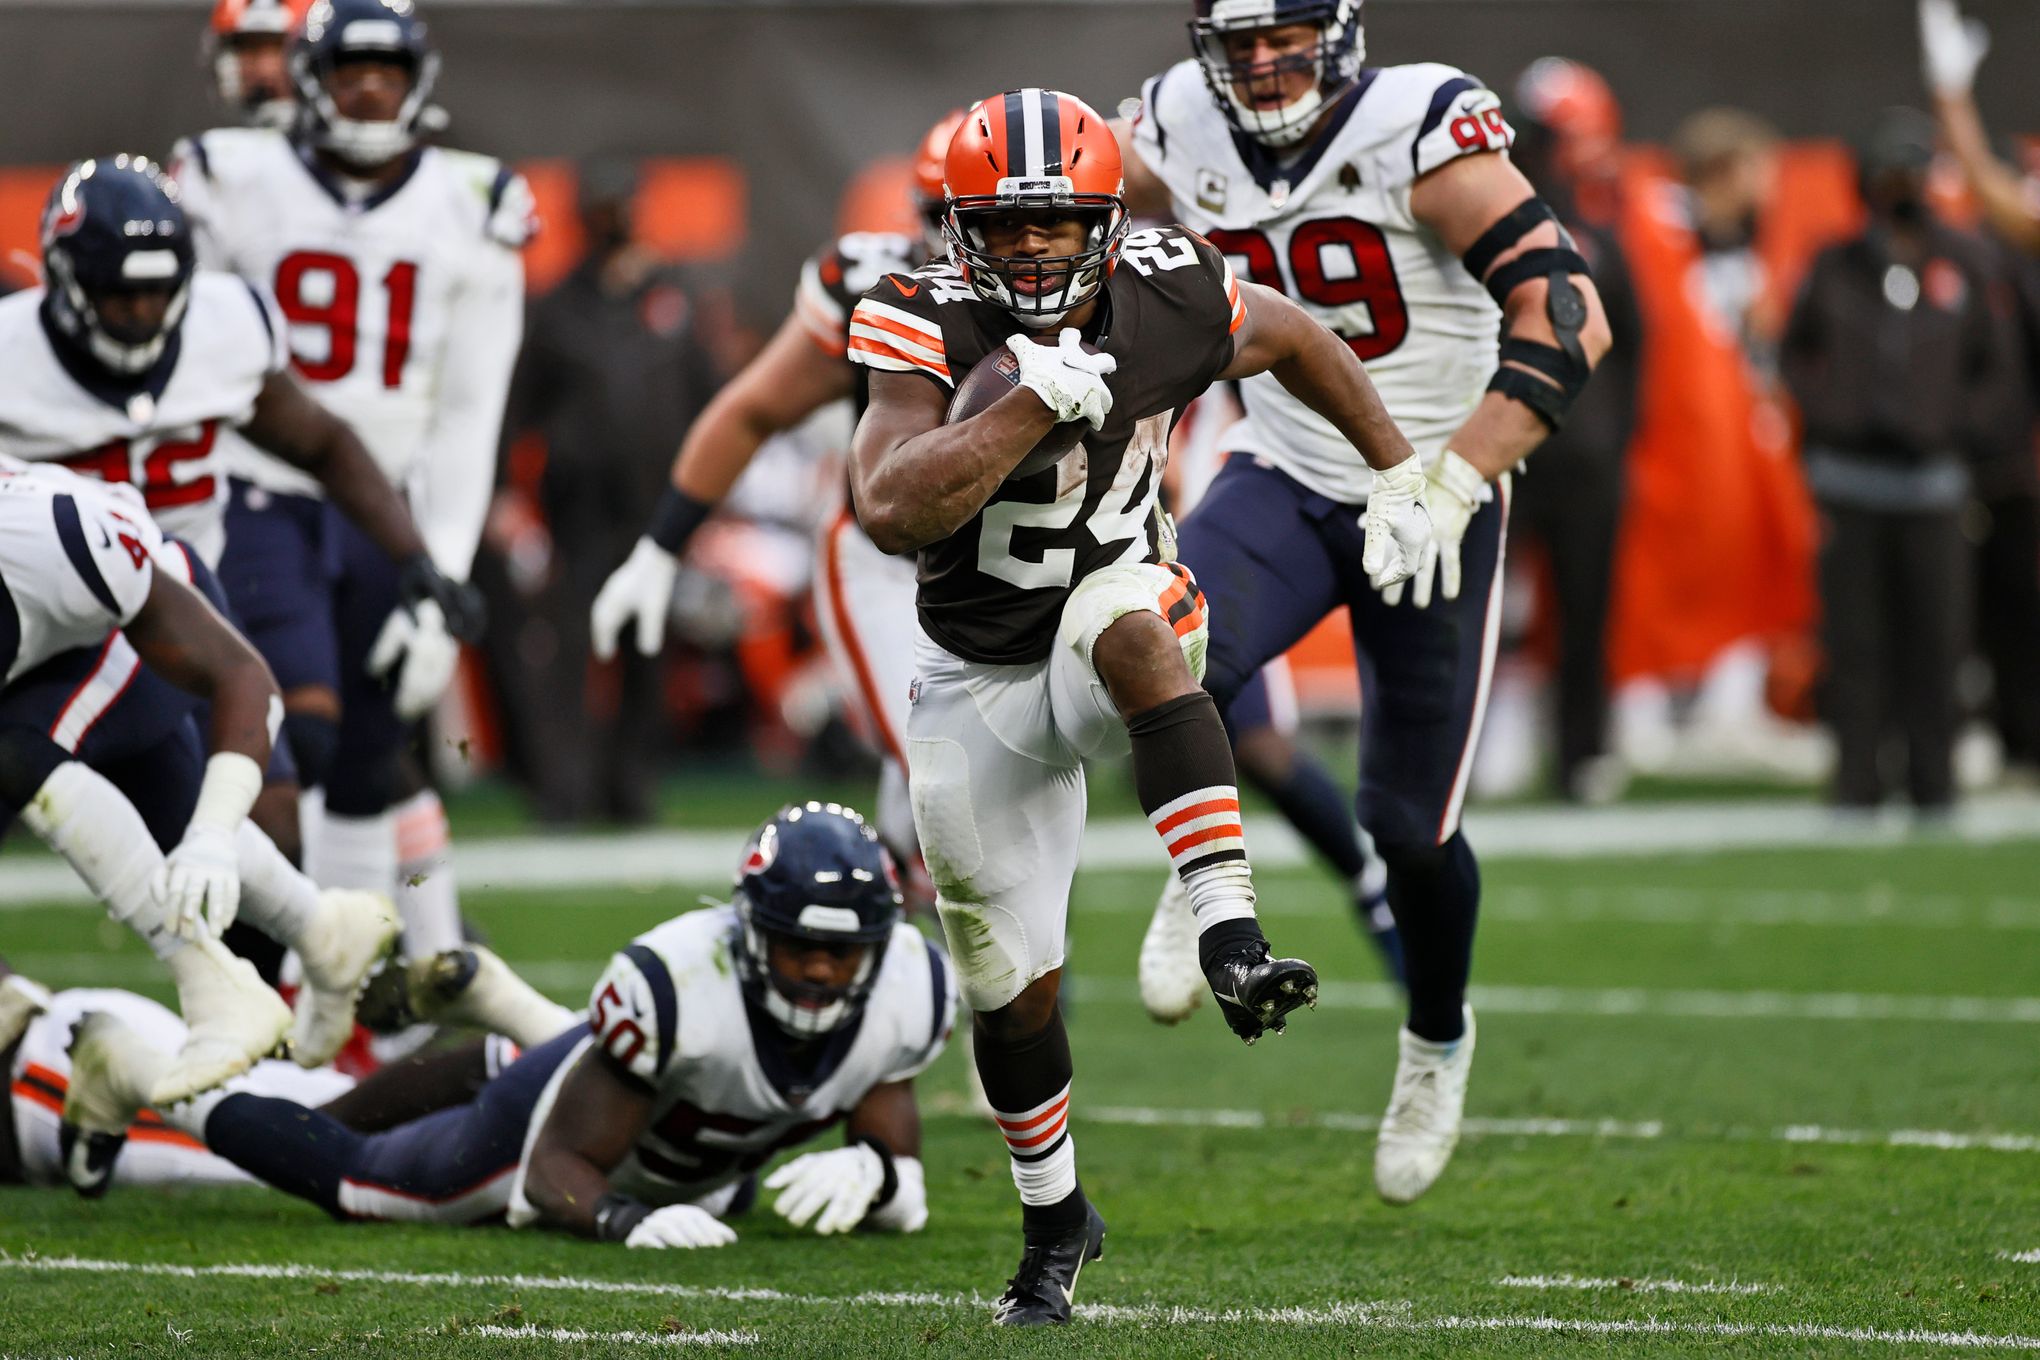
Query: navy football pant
[452, 1166]
[1273, 558]
[313, 592]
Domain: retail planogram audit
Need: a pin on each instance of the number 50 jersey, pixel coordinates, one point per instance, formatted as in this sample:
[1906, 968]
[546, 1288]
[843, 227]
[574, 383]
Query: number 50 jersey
[993, 591]
[1333, 229]
[403, 306]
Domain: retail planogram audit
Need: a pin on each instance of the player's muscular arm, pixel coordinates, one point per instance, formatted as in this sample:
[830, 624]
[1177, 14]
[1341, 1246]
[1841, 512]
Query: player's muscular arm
[290, 423]
[888, 1113]
[188, 644]
[1460, 201]
[1319, 368]
[789, 380]
[591, 1127]
[2001, 191]
[916, 480]
[1146, 195]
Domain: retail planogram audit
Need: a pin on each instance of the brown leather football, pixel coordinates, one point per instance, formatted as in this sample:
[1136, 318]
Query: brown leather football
[993, 377]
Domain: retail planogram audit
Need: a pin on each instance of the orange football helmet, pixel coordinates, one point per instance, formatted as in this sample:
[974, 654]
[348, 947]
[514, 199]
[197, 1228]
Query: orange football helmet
[931, 200]
[1041, 150]
[245, 45]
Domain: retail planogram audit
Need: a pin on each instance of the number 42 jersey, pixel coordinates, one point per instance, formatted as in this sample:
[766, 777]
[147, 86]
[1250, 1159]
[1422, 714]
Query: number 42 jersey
[993, 591]
[1332, 228]
[403, 306]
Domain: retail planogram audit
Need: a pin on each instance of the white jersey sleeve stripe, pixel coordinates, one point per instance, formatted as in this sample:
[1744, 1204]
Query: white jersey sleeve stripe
[885, 316]
[109, 678]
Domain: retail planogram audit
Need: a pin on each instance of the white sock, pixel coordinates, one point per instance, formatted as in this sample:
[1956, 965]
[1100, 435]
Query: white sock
[275, 898]
[1207, 846]
[1044, 1155]
[353, 852]
[80, 814]
[426, 894]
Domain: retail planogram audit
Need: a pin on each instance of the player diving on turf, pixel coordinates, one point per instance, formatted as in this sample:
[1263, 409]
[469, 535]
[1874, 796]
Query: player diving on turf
[712, 1042]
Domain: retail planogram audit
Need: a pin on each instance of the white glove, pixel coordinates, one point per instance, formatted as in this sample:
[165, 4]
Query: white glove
[680, 1225]
[415, 648]
[1456, 491]
[1069, 382]
[640, 589]
[1951, 47]
[834, 1188]
[1397, 524]
[199, 882]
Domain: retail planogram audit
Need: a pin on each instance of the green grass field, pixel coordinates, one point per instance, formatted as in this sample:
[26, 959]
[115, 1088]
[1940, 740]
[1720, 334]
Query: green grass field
[1781, 1103]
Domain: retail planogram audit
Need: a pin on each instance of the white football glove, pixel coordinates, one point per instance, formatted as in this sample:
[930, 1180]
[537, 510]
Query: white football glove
[641, 590]
[1397, 524]
[1069, 382]
[1456, 491]
[1951, 47]
[199, 882]
[680, 1225]
[833, 1188]
[416, 656]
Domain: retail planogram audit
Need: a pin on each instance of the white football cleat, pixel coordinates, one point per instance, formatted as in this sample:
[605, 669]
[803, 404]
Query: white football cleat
[471, 986]
[1424, 1110]
[1171, 983]
[112, 1072]
[346, 937]
[232, 1017]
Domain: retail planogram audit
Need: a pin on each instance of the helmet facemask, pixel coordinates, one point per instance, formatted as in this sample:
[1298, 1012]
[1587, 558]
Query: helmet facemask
[1038, 291]
[364, 143]
[805, 1010]
[1332, 64]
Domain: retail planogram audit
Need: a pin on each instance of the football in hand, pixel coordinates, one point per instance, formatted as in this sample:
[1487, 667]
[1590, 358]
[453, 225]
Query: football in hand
[993, 377]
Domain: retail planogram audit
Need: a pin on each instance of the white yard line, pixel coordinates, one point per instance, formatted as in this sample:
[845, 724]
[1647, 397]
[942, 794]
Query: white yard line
[1392, 1317]
[650, 858]
[612, 1338]
[1593, 1284]
[2031, 1258]
[1142, 1116]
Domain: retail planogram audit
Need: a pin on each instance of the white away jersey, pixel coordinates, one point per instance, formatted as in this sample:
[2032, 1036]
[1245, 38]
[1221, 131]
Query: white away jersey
[163, 438]
[75, 563]
[403, 309]
[1332, 229]
[840, 273]
[670, 1010]
[156, 1154]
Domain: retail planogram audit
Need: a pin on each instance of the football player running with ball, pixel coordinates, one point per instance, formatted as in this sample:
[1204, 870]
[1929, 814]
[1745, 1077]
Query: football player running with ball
[1383, 201]
[1054, 625]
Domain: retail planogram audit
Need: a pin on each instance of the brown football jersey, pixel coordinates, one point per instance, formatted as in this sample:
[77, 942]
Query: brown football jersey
[993, 591]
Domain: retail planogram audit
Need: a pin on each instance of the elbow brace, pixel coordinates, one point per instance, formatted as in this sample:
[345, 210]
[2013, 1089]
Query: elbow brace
[1564, 364]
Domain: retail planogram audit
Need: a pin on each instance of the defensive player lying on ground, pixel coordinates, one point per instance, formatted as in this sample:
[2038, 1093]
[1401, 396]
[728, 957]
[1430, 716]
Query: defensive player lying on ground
[712, 1042]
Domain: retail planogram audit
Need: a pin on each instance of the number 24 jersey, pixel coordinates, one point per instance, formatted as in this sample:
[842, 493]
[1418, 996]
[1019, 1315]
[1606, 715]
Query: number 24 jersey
[1332, 228]
[993, 591]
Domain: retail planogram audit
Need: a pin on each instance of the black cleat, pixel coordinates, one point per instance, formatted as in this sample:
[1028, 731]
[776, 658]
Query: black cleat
[1042, 1290]
[88, 1158]
[1254, 991]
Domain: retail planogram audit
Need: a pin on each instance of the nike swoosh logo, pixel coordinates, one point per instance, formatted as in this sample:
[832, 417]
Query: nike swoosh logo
[105, 540]
[906, 291]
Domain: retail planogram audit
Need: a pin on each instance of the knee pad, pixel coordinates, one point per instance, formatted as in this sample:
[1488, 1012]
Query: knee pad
[313, 740]
[27, 759]
[1111, 593]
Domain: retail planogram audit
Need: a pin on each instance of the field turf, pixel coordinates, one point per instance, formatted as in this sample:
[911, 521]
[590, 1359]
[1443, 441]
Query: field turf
[1781, 1103]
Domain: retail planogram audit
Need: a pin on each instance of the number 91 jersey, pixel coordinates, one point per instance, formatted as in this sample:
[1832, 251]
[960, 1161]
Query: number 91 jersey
[389, 299]
[1332, 228]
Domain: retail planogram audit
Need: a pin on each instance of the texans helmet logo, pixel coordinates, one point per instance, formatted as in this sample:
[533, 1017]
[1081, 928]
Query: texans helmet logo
[763, 851]
[67, 213]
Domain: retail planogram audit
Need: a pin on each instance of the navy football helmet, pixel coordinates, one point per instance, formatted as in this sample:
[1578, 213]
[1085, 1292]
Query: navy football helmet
[115, 227]
[815, 875]
[336, 32]
[1246, 90]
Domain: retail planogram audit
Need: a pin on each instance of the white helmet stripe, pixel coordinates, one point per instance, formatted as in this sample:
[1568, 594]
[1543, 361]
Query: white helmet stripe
[1032, 159]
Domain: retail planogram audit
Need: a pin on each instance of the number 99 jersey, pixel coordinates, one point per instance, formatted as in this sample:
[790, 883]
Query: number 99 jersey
[398, 304]
[1333, 230]
[670, 1013]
